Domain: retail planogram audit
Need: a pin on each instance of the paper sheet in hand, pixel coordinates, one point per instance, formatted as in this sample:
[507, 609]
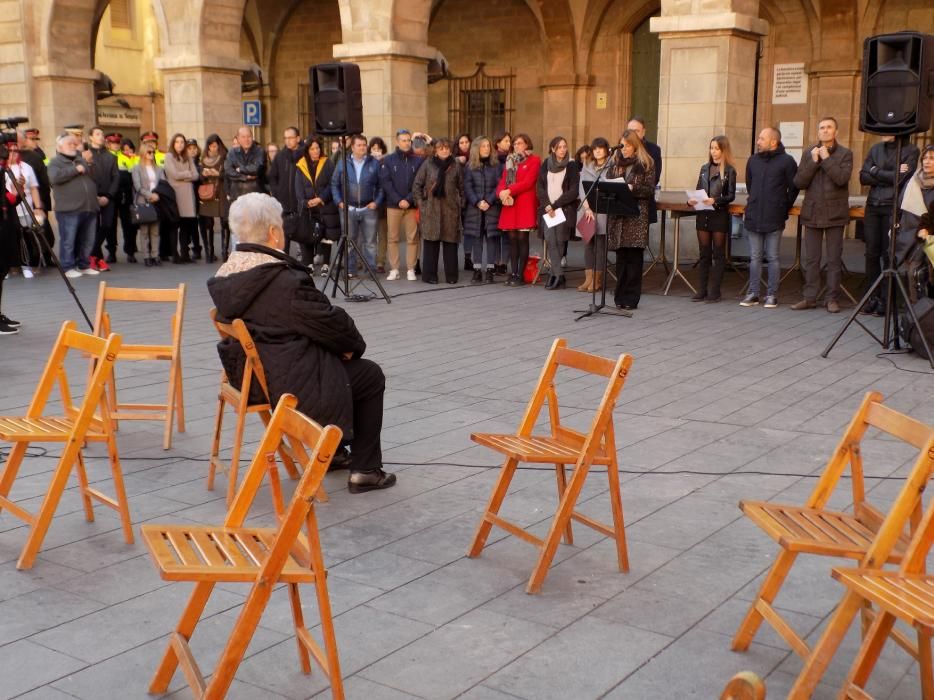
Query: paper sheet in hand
[700, 196]
[556, 218]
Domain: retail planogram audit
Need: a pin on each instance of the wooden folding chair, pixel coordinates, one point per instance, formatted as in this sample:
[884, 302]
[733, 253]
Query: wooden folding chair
[76, 425]
[906, 594]
[814, 529]
[563, 446]
[170, 352]
[263, 557]
[239, 400]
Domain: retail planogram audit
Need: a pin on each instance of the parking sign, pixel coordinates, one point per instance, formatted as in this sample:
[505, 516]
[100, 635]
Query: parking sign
[252, 113]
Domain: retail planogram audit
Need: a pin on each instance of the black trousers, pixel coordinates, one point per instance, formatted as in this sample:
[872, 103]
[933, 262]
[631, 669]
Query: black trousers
[876, 226]
[106, 231]
[367, 386]
[430, 251]
[130, 230]
[186, 235]
[628, 276]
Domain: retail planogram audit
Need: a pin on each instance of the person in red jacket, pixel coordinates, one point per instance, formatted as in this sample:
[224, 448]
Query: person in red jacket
[516, 190]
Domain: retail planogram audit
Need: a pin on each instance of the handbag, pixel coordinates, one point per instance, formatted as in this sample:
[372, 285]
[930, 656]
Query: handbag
[143, 213]
[309, 229]
[207, 191]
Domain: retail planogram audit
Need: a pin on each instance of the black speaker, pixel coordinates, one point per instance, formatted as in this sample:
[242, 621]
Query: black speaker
[336, 99]
[898, 83]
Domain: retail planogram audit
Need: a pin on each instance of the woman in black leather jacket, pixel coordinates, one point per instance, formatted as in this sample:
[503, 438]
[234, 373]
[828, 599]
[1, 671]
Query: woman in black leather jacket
[718, 179]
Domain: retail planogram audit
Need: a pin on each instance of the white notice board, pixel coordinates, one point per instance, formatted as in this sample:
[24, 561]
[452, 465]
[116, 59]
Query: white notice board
[789, 84]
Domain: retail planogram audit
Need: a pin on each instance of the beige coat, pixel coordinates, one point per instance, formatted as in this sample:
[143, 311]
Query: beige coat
[182, 175]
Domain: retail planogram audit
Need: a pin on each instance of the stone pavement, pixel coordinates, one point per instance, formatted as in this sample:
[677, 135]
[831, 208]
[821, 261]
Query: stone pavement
[715, 391]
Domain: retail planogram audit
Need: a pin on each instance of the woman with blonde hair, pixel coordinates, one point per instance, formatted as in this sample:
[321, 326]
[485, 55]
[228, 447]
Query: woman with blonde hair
[482, 207]
[718, 179]
[629, 236]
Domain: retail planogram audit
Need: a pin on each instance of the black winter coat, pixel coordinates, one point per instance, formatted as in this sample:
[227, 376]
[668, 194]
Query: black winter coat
[825, 185]
[879, 169]
[480, 185]
[721, 188]
[282, 179]
[300, 338]
[105, 173]
[166, 206]
[10, 230]
[770, 182]
[244, 171]
[306, 189]
[567, 201]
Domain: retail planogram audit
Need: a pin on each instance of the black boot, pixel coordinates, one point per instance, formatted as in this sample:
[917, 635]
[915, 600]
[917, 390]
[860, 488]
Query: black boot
[477, 277]
[489, 276]
[225, 240]
[716, 273]
[703, 269]
[468, 262]
[556, 282]
[207, 239]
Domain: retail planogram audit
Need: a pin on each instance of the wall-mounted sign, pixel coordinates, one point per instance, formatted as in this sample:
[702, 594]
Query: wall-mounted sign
[117, 116]
[792, 134]
[601, 100]
[789, 84]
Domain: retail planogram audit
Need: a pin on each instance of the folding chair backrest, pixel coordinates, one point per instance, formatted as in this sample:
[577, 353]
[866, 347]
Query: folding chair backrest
[312, 446]
[601, 427]
[159, 296]
[870, 414]
[102, 351]
[237, 331]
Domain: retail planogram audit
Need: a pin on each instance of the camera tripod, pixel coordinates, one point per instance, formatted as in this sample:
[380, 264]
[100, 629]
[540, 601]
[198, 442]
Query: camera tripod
[339, 274]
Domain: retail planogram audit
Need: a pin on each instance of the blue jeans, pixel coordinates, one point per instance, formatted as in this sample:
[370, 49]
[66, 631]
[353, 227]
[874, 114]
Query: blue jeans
[363, 224]
[769, 243]
[76, 231]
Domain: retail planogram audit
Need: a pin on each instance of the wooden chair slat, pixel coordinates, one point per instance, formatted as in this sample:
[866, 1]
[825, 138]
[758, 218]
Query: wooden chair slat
[564, 446]
[902, 426]
[171, 294]
[74, 429]
[262, 557]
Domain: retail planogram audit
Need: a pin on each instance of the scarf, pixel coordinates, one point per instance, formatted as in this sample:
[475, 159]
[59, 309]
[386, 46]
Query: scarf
[555, 165]
[512, 166]
[240, 261]
[443, 165]
[212, 162]
[913, 199]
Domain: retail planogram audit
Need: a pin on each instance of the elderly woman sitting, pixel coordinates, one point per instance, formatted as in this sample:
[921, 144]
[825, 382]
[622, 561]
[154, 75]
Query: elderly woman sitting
[308, 347]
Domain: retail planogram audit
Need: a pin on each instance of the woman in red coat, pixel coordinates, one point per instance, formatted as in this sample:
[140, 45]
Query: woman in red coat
[519, 215]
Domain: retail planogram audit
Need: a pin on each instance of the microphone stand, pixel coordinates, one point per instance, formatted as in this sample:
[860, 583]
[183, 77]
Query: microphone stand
[593, 308]
[35, 229]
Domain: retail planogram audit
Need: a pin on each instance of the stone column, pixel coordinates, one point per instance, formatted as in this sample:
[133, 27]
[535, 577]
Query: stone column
[564, 111]
[394, 82]
[14, 98]
[706, 83]
[61, 95]
[202, 96]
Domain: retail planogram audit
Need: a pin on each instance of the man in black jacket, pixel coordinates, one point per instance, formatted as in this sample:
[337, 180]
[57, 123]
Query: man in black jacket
[32, 154]
[880, 171]
[824, 174]
[308, 347]
[107, 178]
[397, 175]
[282, 182]
[637, 124]
[245, 166]
[770, 175]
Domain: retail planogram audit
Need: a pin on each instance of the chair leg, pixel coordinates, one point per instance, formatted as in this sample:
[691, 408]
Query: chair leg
[562, 517]
[186, 627]
[492, 508]
[13, 462]
[324, 607]
[234, 467]
[43, 520]
[179, 398]
[815, 664]
[925, 666]
[123, 506]
[767, 592]
[83, 483]
[869, 650]
[303, 657]
[111, 397]
[216, 442]
[619, 524]
[169, 409]
[561, 477]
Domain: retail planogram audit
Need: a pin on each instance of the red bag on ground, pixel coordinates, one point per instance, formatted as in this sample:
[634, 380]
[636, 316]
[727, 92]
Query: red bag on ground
[531, 269]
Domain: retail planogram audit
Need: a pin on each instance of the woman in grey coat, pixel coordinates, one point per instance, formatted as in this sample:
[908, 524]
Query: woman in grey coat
[439, 196]
[146, 175]
[558, 184]
[181, 173]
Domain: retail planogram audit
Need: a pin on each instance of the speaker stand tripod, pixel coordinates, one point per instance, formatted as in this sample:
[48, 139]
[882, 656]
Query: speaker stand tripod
[889, 275]
[339, 273]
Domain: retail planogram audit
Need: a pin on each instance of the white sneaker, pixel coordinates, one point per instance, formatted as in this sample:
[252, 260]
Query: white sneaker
[90, 271]
[410, 276]
[27, 273]
[73, 273]
[392, 276]
[564, 261]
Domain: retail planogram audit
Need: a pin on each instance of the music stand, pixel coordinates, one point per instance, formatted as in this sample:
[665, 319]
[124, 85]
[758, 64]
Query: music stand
[612, 199]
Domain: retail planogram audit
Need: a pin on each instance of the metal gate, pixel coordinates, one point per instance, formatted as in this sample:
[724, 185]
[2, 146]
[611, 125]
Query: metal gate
[480, 103]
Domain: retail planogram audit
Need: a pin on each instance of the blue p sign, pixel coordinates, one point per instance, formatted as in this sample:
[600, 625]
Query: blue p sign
[252, 113]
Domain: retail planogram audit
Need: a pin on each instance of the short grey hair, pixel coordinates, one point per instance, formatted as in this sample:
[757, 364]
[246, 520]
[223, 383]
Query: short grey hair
[60, 139]
[251, 216]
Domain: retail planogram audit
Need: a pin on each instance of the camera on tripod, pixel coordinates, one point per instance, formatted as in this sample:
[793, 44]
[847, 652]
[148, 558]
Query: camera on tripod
[8, 135]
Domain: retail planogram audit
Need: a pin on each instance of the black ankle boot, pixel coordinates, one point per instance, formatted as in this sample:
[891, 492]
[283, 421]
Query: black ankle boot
[489, 276]
[703, 269]
[477, 277]
[560, 283]
[552, 281]
[716, 273]
[468, 262]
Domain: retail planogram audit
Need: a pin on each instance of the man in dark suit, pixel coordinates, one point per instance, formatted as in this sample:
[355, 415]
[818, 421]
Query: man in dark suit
[637, 124]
